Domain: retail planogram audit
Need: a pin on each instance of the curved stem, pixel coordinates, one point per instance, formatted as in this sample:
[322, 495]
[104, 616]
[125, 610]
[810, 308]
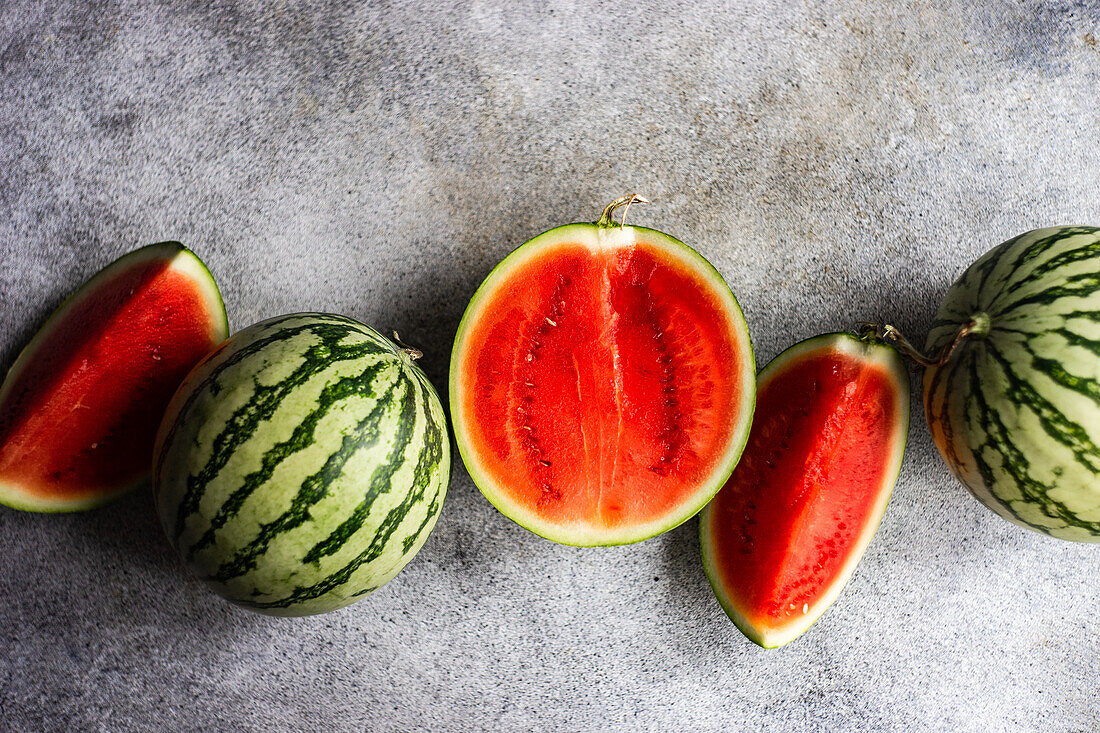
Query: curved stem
[606, 222]
[410, 351]
[978, 324]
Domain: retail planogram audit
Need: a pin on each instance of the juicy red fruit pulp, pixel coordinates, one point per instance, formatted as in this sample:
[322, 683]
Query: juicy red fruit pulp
[602, 385]
[81, 417]
[790, 519]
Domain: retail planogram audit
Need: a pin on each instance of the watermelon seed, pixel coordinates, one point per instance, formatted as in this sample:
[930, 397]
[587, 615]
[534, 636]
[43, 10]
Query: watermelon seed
[805, 608]
[551, 322]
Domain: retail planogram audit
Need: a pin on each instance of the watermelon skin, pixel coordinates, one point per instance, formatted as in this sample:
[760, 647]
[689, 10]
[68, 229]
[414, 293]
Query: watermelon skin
[784, 535]
[1015, 411]
[81, 404]
[302, 465]
[562, 475]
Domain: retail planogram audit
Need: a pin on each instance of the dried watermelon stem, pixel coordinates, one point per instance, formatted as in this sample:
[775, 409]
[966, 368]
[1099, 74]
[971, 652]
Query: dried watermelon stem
[605, 220]
[410, 351]
[977, 325]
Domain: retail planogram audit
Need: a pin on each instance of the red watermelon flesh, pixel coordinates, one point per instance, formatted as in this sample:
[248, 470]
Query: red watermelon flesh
[783, 536]
[80, 407]
[602, 385]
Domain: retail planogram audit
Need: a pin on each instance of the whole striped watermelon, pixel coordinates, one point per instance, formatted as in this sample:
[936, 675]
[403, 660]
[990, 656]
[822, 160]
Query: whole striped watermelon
[1015, 408]
[302, 464]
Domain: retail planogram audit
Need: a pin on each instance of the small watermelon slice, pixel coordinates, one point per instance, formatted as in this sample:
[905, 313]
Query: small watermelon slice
[80, 406]
[785, 533]
[602, 383]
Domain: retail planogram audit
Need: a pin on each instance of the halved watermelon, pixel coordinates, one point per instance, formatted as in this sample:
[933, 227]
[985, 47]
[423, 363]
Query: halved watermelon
[602, 383]
[80, 406]
[783, 536]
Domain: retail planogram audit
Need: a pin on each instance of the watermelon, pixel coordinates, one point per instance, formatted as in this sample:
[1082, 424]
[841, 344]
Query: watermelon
[302, 465]
[785, 533]
[1014, 403]
[81, 404]
[602, 383]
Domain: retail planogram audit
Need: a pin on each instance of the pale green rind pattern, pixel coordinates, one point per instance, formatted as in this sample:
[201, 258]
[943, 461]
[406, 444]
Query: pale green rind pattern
[303, 465]
[1016, 413]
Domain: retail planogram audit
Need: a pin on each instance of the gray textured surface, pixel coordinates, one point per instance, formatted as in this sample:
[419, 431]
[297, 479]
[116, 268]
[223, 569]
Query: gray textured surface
[835, 161]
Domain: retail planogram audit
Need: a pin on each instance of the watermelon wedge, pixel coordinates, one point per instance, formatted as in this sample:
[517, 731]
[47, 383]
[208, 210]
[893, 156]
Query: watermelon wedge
[785, 533]
[80, 406]
[602, 383]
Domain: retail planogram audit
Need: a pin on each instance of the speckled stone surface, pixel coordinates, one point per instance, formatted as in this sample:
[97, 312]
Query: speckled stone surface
[835, 161]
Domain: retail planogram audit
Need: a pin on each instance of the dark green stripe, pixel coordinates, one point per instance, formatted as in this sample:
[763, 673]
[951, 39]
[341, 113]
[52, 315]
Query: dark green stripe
[439, 437]
[984, 268]
[1012, 458]
[312, 490]
[1036, 249]
[1015, 463]
[264, 402]
[1053, 421]
[1072, 338]
[1071, 257]
[985, 470]
[953, 323]
[210, 383]
[366, 591]
[300, 439]
[426, 467]
[1093, 316]
[1056, 370]
[942, 417]
[1076, 339]
[429, 515]
[381, 482]
[1042, 328]
[1075, 286]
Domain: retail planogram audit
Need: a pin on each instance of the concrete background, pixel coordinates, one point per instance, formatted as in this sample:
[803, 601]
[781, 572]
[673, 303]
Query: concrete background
[835, 161]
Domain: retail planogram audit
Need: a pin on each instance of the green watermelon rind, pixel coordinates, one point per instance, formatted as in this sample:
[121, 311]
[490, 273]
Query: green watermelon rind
[340, 533]
[687, 255]
[1031, 287]
[180, 256]
[897, 368]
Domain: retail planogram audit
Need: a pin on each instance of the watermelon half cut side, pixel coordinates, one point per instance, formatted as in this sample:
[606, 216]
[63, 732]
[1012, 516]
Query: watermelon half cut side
[80, 406]
[602, 384]
[785, 533]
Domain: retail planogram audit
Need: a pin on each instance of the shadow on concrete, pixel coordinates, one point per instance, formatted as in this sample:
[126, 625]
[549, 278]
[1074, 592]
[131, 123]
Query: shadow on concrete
[23, 329]
[130, 530]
